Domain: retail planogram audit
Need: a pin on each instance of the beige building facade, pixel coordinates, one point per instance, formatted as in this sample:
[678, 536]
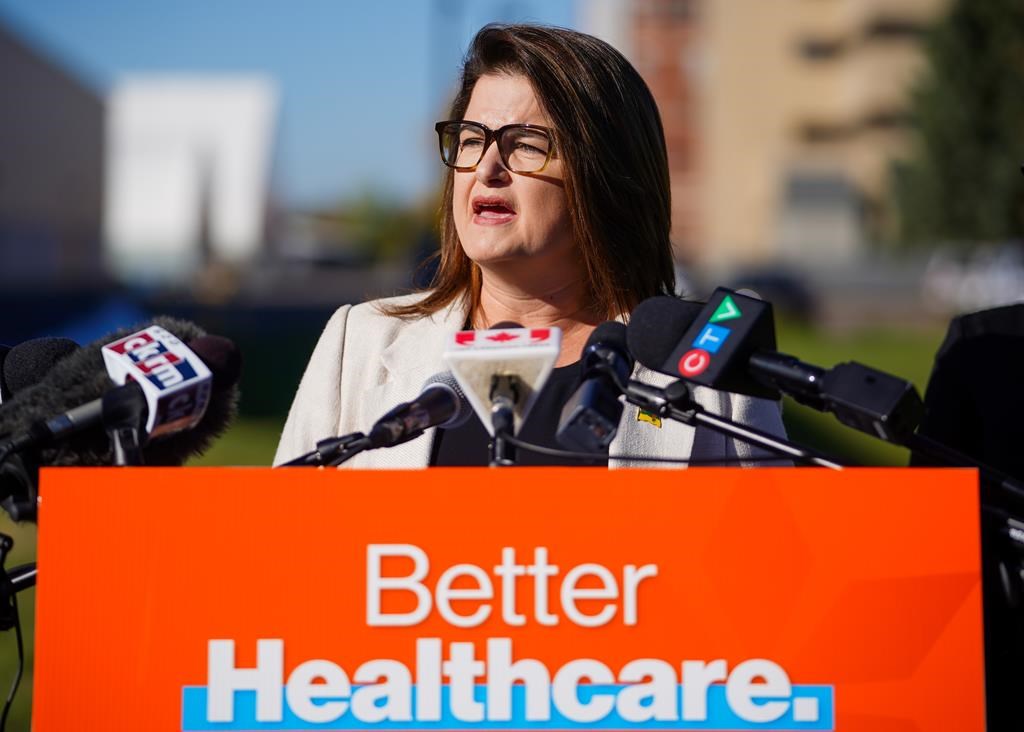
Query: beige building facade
[782, 117]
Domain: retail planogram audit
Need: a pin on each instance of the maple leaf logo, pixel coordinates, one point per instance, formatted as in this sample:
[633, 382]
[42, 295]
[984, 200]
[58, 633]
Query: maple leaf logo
[503, 337]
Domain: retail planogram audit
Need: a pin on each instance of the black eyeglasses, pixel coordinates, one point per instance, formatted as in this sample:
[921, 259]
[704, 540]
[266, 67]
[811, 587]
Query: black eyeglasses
[522, 148]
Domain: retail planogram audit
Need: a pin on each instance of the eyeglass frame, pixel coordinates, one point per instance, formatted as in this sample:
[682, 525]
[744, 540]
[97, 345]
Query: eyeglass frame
[495, 137]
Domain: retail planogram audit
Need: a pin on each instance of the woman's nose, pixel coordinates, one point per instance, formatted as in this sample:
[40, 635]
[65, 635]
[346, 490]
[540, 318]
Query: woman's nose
[490, 168]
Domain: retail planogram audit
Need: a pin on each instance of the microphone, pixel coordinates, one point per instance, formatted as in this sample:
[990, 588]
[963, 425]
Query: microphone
[30, 361]
[708, 344]
[442, 403]
[501, 373]
[56, 416]
[164, 387]
[729, 344]
[590, 419]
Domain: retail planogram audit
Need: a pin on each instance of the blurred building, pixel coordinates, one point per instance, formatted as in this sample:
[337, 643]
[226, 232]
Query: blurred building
[51, 171]
[188, 175]
[782, 117]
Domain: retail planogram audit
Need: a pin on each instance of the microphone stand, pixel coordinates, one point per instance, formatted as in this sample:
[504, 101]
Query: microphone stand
[124, 417]
[11, 583]
[126, 447]
[504, 395]
[876, 403]
[332, 451]
[990, 477]
[676, 402]
[17, 579]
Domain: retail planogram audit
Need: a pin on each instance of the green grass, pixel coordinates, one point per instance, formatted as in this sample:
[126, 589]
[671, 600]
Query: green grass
[906, 353]
[248, 442]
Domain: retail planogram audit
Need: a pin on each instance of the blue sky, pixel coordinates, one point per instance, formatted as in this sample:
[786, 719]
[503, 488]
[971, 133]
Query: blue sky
[347, 70]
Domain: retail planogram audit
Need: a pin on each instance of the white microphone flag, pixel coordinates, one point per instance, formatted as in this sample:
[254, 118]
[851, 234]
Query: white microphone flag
[175, 381]
[475, 357]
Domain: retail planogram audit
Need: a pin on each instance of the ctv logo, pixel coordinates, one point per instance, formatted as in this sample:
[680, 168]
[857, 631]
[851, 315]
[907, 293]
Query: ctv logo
[453, 685]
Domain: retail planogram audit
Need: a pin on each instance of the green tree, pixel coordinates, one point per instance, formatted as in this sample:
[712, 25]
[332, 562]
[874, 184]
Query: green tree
[386, 231]
[963, 182]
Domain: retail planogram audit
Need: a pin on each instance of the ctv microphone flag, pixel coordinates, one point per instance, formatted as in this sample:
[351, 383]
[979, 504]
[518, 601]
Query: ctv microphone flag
[475, 357]
[174, 380]
[718, 345]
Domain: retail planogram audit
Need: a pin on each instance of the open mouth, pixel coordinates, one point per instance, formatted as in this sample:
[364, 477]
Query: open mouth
[492, 210]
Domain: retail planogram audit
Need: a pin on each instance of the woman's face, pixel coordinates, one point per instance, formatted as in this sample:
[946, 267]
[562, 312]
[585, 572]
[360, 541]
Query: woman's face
[502, 216]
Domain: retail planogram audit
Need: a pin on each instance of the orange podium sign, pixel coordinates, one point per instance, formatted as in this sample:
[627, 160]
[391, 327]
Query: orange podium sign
[508, 599]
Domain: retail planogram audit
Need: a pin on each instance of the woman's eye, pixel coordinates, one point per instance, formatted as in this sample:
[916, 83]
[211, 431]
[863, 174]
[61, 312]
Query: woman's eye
[529, 149]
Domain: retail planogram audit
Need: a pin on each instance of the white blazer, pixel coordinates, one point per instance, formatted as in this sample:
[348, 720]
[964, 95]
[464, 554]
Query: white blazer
[367, 362]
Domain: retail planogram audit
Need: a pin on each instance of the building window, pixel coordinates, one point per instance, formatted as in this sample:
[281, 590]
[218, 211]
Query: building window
[820, 49]
[893, 29]
[886, 119]
[823, 132]
[676, 10]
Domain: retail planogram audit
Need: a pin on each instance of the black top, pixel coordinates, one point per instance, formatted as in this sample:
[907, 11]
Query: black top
[468, 444]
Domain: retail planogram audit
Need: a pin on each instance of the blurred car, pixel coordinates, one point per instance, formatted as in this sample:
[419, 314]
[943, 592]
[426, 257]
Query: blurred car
[787, 291]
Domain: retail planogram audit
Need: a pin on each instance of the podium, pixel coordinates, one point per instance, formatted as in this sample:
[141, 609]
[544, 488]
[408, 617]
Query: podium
[508, 599]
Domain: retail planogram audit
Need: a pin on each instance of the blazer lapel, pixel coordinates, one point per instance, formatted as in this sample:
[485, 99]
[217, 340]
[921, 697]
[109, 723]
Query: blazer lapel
[412, 357]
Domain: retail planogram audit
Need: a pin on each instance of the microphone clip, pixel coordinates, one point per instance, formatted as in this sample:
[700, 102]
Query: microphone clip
[331, 451]
[335, 450]
[672, 401]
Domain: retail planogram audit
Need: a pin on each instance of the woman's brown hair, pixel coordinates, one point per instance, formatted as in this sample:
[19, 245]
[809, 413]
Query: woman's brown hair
[608, 133]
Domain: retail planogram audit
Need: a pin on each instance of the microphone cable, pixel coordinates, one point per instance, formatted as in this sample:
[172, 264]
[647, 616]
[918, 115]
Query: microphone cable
[555, 452]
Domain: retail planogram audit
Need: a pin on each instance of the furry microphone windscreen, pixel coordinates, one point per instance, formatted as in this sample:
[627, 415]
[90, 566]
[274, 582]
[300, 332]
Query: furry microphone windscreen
[5, 392]
[81, 377]
[29, 361]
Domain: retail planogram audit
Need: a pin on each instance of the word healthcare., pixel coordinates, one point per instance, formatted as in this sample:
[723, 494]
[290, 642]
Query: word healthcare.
[455, 684]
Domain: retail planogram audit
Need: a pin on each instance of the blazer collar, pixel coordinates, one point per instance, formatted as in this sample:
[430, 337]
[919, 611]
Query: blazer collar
[420, 344]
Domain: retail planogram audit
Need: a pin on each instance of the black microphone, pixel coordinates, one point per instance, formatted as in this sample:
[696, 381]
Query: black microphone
[29, 361]
[590, 419]
[56, 418]
[729, 344]
[442, 403]
[708, 344]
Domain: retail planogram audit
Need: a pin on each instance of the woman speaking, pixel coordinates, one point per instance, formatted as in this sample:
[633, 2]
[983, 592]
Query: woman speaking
[556, 212]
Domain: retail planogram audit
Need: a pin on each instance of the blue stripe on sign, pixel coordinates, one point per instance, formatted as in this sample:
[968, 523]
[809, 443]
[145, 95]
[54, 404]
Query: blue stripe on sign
[720, 715]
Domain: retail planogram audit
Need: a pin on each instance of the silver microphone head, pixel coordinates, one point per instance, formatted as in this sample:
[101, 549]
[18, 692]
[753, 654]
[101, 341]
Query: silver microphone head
[463, 410]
